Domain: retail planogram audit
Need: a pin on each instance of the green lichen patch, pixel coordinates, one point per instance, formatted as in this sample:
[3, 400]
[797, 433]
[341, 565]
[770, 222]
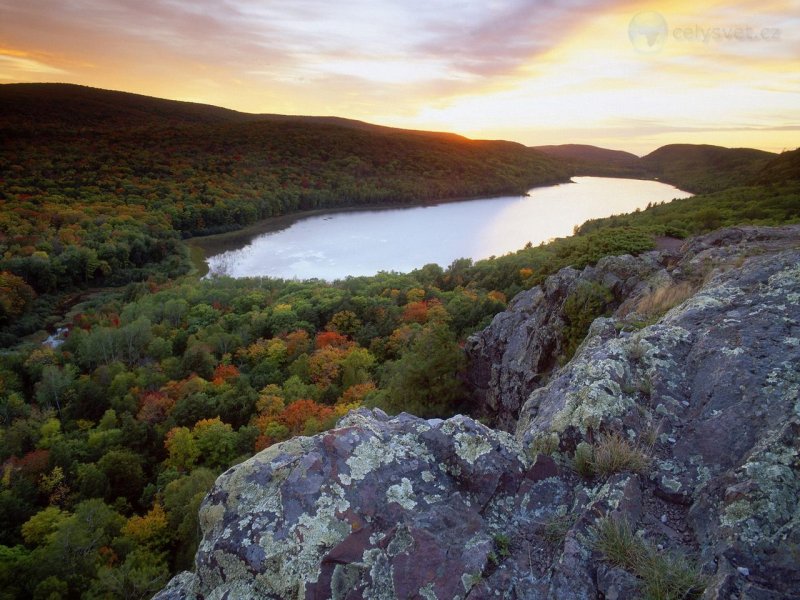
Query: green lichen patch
[471, 447]
[771, 504]
[403, 494]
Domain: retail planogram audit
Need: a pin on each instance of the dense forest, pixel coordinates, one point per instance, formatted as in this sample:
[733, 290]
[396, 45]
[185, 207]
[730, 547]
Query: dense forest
[110, 437]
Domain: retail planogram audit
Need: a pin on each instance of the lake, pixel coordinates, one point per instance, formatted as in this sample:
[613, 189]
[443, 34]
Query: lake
[334, 245]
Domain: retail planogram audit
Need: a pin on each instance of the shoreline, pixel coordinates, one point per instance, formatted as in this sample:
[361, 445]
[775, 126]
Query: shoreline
[201, 247]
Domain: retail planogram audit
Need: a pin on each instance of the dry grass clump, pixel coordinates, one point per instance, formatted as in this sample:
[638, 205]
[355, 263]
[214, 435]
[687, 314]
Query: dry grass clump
[660, 300]
[664, 576]
[614, 454]
[611, 454]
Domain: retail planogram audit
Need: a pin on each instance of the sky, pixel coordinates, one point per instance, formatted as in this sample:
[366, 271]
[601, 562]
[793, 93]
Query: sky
[621, 74]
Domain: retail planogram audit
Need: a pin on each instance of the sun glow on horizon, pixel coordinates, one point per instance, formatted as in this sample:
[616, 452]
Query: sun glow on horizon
[525, 70]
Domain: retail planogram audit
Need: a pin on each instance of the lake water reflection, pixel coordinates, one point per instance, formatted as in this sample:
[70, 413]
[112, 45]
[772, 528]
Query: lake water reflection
[333, 246]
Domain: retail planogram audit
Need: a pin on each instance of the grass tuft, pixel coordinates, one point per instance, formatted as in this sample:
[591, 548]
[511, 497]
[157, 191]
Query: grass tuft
[664, 576]
[556, 529]
[617, 542]
[614, 454]
[583, 460]
[660, 300]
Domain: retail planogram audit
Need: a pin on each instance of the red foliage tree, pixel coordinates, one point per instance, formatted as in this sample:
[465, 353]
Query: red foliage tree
[331, 338]
[297, 415]
[34, 462]
[224, 373]
[154, 407]
[415, 312]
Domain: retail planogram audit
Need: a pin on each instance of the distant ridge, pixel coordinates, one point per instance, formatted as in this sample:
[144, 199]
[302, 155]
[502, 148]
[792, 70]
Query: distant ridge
[87, 107]
[784, 167]
[48, 109]
[585, 152]
[705, 168]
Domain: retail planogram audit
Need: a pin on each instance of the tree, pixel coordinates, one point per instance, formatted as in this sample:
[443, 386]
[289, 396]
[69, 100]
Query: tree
[581, 308]
[182, 448]
[38, 528]
[356, 367]
[198, 359]
[216, 442]
[72, 552]
[135, 338]
[151, 530]
[154, 407]
[270, 401]
[182, 499]
[224, 373]
[297, 343]
[297, 415]
[424, 380]
[140, 576]
[16, 296]
[14, 565]
[124, 471]
[345, 322]
[55, 382]
[331, 338]
[325, 365]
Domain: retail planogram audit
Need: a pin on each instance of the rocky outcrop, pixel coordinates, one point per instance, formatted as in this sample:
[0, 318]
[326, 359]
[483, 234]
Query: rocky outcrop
[377, 508]
[705, 392]
[513, 356]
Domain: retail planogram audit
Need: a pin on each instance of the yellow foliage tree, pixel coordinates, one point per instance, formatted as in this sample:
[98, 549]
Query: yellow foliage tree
[149, 530]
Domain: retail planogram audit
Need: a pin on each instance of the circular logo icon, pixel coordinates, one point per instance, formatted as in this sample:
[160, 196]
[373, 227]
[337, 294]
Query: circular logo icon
[648, 32]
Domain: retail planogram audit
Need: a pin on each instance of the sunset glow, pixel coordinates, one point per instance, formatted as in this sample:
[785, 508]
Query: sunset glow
[533, 71]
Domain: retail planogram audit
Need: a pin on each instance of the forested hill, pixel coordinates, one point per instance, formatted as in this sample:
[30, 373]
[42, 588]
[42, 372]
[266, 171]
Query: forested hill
[97, 186]
[33, 105]
[695, 168]
[593, 160]
[784, 167]
[705, 168]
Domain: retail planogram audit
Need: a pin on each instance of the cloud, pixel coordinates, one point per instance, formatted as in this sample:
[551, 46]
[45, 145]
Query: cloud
[14, 64]
[452, 39]
[500, 36]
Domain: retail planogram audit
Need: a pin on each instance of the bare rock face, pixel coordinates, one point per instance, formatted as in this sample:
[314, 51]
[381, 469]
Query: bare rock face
[708, 389]
[377, 508]
[510, 358]
[712, 389]
[398, 508]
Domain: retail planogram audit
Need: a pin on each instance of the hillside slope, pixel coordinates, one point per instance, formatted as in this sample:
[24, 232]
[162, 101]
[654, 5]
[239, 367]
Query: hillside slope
[705, 168]
[69, 104]
[585, 152]
[784, 167]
